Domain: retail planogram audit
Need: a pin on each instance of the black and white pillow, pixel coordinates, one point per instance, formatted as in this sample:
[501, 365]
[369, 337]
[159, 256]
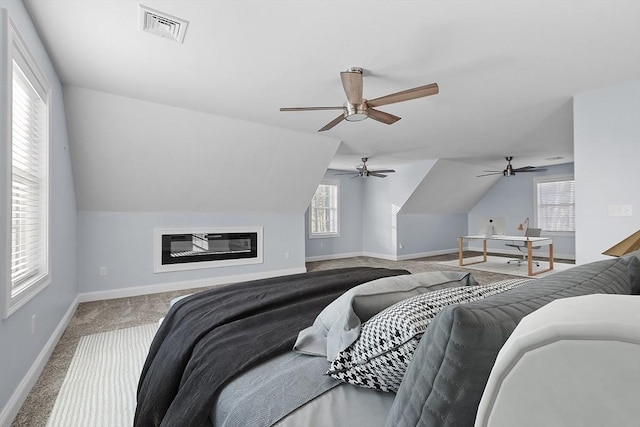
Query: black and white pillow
[380, 356]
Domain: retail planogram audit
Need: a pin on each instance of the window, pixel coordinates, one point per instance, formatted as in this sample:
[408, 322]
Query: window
[28, 159]
[555, 204]
[323, 212]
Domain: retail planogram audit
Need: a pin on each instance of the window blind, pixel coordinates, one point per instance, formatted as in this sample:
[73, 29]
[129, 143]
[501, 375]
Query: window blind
[556, 205]
[324, 210]
[28, 237]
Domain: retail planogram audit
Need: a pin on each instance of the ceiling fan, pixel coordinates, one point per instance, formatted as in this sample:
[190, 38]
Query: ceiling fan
[357, 108]
[363, 172]
[510, 170]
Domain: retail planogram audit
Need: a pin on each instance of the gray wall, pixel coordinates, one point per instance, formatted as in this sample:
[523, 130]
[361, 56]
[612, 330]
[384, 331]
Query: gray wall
[124, 243]
[511, 198]
[380, 198]
[429, 234]
[19, 349]
[607, 156]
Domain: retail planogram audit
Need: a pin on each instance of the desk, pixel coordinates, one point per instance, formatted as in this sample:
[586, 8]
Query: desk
[537, 241]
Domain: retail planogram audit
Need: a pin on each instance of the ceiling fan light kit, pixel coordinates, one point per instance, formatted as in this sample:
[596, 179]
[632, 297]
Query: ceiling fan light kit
[357, 108]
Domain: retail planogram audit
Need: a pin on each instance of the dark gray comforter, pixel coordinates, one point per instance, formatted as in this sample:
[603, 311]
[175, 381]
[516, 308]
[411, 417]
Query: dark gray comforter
[208, 338]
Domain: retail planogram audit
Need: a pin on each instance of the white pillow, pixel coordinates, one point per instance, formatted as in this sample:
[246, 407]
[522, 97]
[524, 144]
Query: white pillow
[338, 325]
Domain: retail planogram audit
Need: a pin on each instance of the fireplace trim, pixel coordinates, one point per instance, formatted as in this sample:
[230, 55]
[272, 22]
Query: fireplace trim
[159, 267]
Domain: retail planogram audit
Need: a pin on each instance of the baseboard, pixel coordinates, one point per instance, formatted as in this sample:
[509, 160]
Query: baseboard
[18, 397]
[179, 286]
[426, 254]
[387, 257]
[332, 256]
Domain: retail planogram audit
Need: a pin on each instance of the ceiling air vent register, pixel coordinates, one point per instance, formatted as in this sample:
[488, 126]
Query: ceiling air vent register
[162, 24]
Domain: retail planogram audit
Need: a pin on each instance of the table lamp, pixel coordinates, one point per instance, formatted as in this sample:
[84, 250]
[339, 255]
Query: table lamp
[526, 222]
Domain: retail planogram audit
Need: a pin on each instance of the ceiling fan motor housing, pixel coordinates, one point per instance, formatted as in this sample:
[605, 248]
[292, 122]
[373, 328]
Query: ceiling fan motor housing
[356, 113]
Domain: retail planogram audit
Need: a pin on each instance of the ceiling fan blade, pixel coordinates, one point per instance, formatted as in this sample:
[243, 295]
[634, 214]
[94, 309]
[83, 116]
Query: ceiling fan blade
[310, 108]
[529, 170]
[347, 173]
[383, 171]
[382, 117]
[332, 123]
[352, 83]
[379, 175]
[492, 173]
[405, 95]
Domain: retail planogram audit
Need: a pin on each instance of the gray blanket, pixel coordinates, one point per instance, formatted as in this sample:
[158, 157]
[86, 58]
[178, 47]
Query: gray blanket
[265, 394]
[209, 337]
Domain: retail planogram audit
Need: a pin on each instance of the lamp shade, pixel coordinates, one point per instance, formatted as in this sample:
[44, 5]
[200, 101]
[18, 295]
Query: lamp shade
[630, 244]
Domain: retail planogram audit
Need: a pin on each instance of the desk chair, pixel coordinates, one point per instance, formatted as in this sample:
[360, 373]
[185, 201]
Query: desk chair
[522, 246]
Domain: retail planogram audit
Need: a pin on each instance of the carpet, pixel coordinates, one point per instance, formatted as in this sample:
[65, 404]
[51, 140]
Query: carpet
[499, 265]
[100, 386]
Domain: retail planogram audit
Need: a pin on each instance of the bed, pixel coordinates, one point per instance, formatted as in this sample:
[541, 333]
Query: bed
[343, 347]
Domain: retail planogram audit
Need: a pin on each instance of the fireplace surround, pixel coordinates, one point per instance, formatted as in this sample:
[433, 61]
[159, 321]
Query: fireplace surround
[190, 249]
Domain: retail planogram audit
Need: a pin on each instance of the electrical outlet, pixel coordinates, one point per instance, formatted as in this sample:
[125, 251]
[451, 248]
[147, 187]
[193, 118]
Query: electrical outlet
[286, 255]
[103, 271]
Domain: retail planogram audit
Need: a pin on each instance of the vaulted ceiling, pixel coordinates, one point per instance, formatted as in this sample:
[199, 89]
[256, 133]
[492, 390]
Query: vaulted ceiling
[507, 71]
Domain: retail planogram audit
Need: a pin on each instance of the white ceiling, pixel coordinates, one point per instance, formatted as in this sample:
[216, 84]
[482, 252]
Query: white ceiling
[506, 69]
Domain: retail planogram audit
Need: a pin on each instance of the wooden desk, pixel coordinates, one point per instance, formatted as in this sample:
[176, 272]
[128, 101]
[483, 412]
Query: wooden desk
[531, 241]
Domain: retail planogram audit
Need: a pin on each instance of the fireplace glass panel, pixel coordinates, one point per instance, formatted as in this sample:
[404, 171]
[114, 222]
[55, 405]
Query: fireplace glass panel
[202, 247]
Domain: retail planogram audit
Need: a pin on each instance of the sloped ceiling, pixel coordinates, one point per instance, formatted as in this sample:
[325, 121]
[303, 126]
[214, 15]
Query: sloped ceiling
[507, 71]
[449, 187]
[132, 155]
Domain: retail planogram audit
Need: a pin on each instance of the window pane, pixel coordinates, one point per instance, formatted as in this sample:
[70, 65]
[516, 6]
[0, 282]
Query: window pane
[323, 211]
[556, 205]
[28, 182]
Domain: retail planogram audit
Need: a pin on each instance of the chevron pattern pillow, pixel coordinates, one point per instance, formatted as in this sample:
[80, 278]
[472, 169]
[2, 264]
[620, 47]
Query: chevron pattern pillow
[380, 356]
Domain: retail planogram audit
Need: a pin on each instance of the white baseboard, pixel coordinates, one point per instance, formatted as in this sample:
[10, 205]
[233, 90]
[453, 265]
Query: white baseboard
[179, 286]
[381, 256]
[18, 397]
[426, 254]
[332, 256]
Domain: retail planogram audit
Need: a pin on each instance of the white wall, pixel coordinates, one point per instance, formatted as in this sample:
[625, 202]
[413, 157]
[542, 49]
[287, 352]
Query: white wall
[511, 198]
[23, 354]
[607, 158]
[123, 242]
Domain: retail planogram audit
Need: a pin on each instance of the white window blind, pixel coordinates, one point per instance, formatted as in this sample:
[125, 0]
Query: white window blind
[28, 161]
[556, 205]
[324, 211]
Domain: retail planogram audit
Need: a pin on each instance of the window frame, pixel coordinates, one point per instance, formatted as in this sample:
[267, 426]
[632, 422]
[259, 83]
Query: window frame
[546, 179]
[15, 49]
[313, 235]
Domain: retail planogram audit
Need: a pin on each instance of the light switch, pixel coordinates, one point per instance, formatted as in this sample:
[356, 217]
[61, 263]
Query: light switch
[620, 210]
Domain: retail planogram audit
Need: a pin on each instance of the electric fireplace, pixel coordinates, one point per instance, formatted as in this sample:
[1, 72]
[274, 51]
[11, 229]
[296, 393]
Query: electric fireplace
[204, 248]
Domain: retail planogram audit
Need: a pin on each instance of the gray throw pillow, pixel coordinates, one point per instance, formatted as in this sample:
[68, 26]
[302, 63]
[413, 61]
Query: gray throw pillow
[633, 267]
[338, 325]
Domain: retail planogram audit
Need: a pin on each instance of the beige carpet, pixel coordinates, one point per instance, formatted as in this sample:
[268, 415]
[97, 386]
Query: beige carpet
[100, 386]
[499, 265]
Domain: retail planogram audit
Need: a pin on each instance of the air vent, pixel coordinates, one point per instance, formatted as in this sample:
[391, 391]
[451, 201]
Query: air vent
[162, 24]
